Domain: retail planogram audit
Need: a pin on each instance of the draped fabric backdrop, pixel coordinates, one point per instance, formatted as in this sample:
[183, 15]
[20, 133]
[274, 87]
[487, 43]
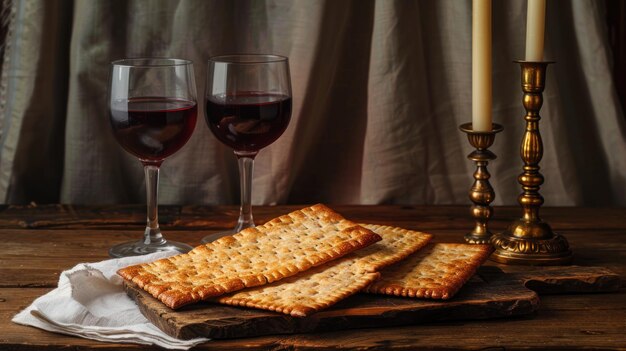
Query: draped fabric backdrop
[379, 89]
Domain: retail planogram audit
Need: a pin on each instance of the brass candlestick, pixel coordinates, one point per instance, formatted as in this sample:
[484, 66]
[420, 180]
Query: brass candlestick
[481, 192]
[529, 240]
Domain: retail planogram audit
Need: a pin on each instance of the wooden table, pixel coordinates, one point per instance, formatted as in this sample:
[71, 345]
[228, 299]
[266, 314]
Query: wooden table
[38, 242]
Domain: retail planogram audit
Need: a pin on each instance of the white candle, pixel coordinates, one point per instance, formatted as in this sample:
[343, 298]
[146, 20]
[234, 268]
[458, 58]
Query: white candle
[535, 28]
[481, 65]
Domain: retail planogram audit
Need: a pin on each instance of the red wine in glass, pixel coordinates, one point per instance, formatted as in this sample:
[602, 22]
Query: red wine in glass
[248, 121]
[248, 106]
[153, 128]
[153, 112]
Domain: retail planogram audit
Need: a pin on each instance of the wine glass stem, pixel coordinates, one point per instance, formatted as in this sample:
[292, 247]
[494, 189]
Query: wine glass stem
[246, 165]
[152, 234]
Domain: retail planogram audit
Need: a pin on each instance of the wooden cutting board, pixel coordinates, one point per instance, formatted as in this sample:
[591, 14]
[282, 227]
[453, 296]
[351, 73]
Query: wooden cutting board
[490, 294]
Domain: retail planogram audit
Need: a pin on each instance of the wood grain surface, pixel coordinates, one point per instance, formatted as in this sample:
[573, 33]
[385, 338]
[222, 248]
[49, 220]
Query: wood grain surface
[38, 242]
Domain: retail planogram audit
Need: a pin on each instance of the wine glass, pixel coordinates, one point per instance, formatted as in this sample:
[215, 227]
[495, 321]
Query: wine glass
[153, 113]
[248, 106]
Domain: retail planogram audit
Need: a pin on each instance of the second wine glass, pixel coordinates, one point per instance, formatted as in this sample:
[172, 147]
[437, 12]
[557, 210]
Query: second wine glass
[248, 106]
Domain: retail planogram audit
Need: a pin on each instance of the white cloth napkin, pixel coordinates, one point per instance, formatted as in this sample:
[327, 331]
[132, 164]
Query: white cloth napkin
[90, 302]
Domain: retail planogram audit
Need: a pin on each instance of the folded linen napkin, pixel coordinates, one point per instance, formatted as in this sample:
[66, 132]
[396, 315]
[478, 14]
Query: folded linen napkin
[90, 302]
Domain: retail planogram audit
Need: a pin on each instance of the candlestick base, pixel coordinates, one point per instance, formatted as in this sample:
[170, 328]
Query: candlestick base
[481, 193]
[530, 243]
[529, 240]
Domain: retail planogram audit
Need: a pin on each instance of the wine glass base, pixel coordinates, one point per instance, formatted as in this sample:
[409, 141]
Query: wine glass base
[138, 248]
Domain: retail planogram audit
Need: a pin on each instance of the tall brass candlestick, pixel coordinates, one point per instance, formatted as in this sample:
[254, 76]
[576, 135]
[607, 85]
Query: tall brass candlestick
[529, 240]
[481, 193]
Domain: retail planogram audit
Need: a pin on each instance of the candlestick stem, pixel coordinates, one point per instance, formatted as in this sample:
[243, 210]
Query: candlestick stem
[529, 240]
[481, 193]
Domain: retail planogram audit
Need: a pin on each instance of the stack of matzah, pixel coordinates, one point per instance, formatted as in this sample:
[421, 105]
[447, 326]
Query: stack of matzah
[308, 260]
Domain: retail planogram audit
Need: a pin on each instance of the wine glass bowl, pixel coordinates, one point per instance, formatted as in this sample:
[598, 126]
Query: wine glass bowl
[153, 112]
[248, 107]
[152, 128]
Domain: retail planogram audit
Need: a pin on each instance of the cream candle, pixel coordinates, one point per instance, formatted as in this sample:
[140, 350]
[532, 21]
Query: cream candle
[481, 65]
[535, 28]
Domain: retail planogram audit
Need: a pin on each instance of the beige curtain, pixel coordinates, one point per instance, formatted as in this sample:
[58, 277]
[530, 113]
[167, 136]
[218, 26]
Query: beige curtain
[379, 87]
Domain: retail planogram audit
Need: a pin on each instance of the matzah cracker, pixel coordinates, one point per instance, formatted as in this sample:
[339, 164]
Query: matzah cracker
[277, 249]
[436, 272]
[323, 286]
